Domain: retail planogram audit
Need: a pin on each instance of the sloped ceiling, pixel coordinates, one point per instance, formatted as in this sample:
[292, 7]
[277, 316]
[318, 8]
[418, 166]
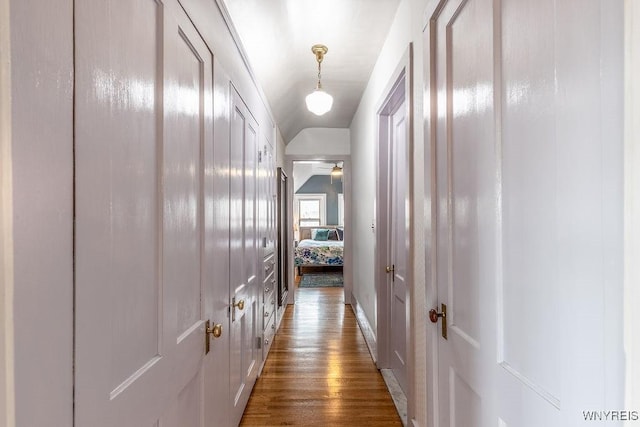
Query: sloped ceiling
[277, 36]
[303, 170]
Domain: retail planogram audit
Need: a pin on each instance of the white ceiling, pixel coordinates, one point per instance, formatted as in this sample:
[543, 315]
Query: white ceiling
[277, 36]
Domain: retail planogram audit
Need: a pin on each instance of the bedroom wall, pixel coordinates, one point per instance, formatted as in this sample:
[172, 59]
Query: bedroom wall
[406, 28]
[321, 184]
[320, 141]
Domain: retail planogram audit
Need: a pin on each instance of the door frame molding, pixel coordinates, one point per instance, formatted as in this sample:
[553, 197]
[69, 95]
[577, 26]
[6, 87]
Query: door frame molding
[430, 189]
[393, 89]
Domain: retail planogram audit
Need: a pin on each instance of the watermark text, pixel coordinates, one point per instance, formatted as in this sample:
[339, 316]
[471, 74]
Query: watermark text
[619, 415]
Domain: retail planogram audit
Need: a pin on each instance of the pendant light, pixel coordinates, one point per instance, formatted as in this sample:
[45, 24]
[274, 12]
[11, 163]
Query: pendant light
[336, 172]
[319, 102]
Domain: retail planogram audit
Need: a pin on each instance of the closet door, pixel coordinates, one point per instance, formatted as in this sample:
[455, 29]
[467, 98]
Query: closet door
[244, 308]
[143, 117]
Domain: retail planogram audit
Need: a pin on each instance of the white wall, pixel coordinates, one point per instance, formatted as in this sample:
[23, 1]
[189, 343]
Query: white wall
[406, 28]
[320, 141]
[632, 202]
[37, 209]
[363, 144]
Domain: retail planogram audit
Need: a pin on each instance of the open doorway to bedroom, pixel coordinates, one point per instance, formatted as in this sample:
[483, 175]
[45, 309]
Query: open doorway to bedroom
[319, 223]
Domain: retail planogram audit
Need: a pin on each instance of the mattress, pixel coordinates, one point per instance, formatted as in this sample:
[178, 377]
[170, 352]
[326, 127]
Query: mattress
[315, 252]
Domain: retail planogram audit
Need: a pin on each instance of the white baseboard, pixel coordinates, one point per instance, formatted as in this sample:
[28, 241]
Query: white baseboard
[365, 327]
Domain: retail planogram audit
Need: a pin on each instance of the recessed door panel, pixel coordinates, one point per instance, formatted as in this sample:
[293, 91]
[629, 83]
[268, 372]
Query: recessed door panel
[119, 346]
[530, 188]
[184, 140]
[470, 149]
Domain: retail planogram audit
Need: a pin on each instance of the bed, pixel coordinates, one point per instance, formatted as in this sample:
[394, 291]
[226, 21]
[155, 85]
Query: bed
[316, 251]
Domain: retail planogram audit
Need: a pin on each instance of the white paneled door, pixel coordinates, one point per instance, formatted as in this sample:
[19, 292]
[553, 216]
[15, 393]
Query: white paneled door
[399, 240]
[522, 208]
[466, 198]
[244, 254]
[393, 209]
[143, 119]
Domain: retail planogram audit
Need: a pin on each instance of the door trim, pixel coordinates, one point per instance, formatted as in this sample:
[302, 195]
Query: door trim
[430, 188]
[402, 73]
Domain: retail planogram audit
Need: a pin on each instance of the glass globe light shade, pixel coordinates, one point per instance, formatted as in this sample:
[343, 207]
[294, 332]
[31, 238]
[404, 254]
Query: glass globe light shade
[319, 102]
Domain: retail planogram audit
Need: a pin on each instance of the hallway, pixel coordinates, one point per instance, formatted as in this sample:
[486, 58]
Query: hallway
[319, 371]
[147, 202]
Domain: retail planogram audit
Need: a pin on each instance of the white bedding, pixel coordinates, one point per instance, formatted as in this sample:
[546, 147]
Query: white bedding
[308, 243]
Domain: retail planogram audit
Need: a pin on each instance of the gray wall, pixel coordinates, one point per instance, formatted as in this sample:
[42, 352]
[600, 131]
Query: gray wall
[319, 184]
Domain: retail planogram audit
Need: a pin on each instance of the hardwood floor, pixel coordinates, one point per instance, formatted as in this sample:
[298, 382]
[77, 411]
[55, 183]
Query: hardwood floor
[319, 371]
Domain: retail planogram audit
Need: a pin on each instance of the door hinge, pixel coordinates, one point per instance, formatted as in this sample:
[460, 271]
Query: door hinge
[259, 342]
[259, 156]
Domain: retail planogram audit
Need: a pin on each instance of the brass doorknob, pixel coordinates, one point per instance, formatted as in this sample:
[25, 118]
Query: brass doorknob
[239, 304]
[216, 330]
[390, 269]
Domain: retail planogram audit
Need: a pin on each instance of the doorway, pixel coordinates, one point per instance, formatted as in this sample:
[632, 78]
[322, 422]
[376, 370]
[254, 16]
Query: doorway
[319, 200]
[393, 252]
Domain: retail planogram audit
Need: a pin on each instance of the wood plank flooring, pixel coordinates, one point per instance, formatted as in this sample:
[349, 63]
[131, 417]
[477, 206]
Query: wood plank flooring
[319, 371]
